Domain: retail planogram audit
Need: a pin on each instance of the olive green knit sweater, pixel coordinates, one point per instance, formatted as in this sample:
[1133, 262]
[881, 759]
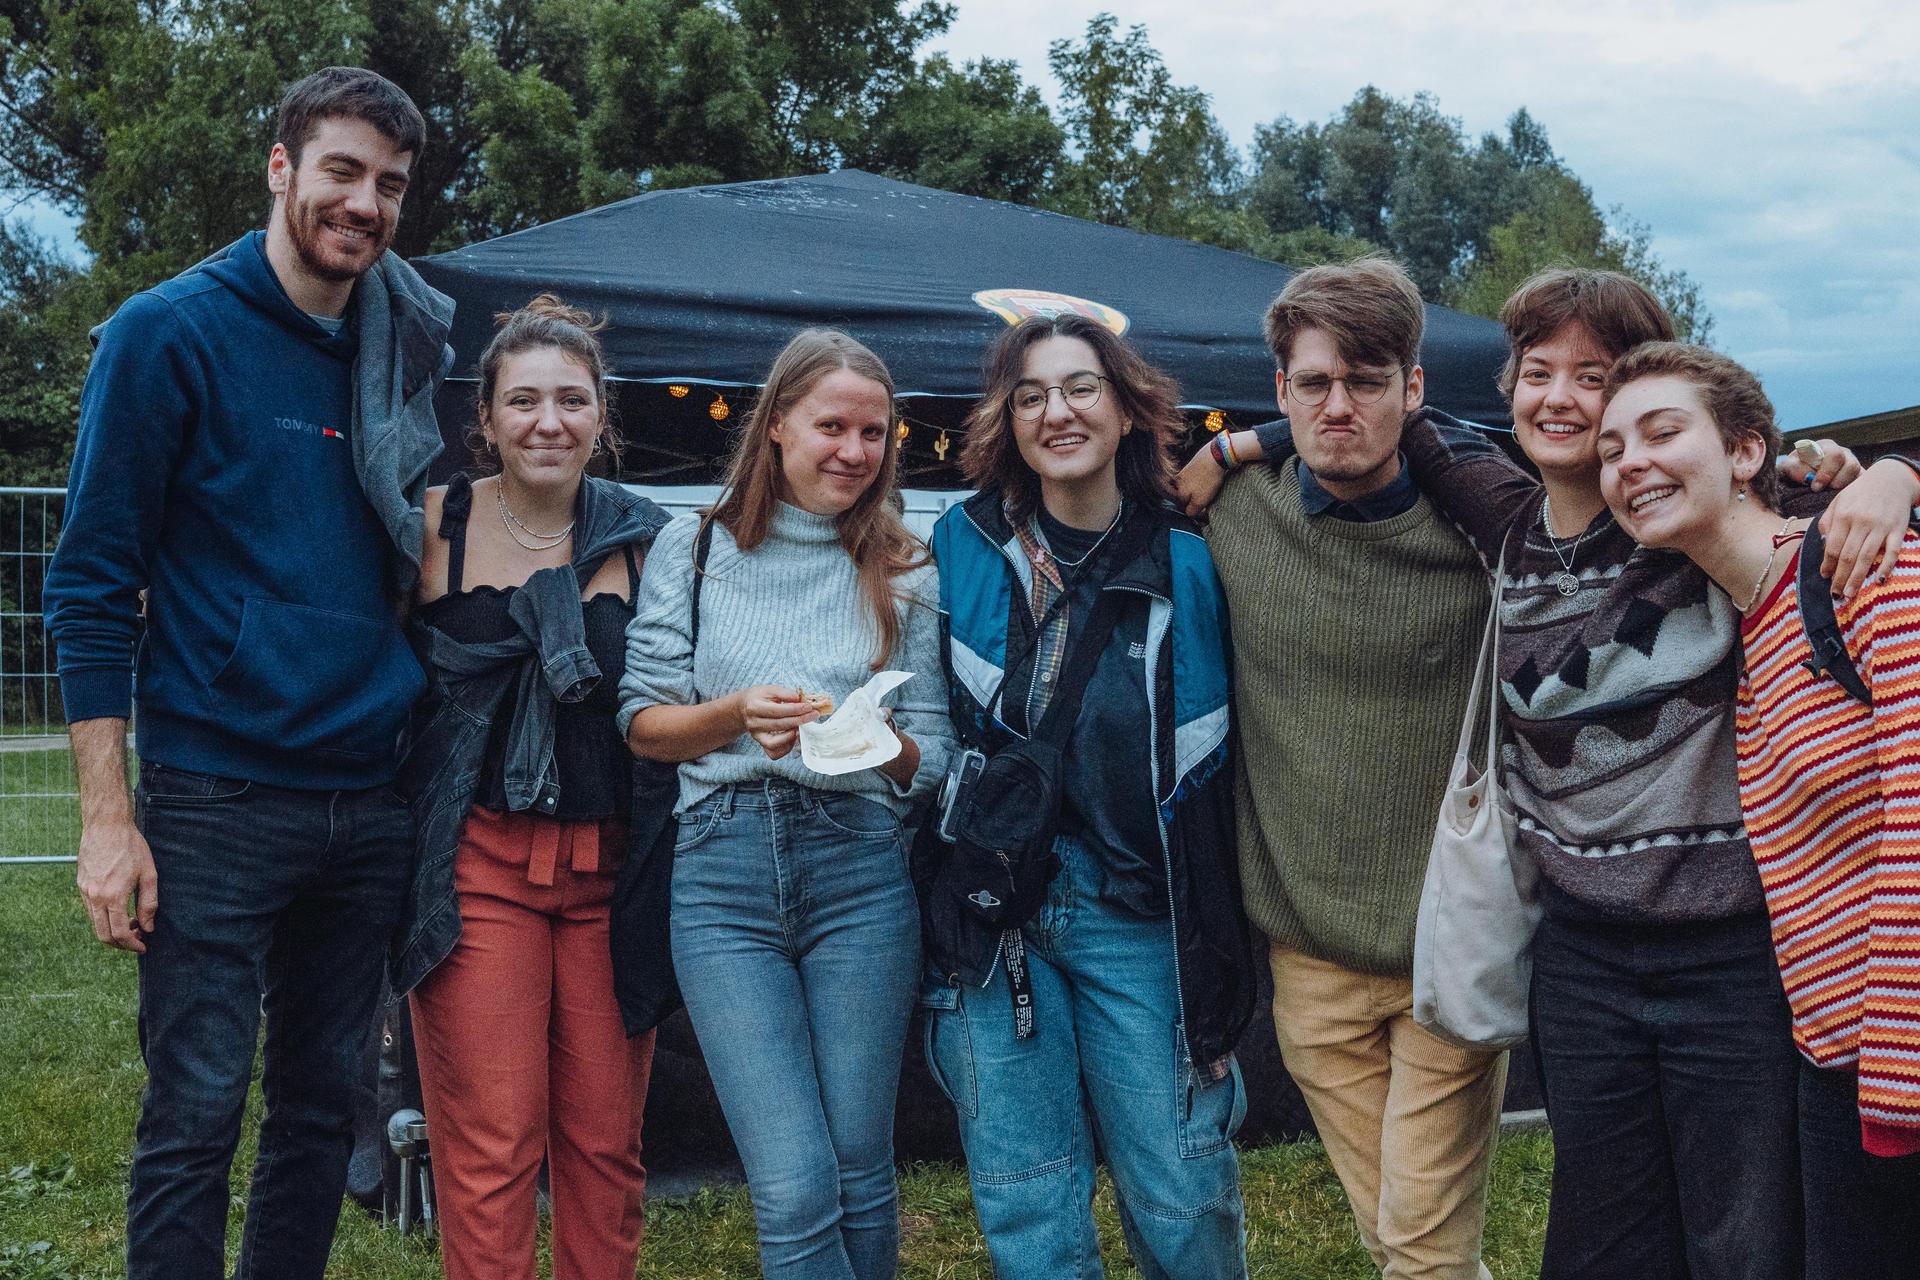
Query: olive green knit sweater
[1353, 648]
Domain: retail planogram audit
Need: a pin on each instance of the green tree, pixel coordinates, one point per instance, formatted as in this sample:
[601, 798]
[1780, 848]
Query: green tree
[43, 356]
[1470, 220]
[1144, 152]
[149, 121]
[828, 68]
[977, 129]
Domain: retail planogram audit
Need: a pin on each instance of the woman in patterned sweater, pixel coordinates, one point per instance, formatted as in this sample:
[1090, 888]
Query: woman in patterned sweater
[1830, 785]
[1658, 1018]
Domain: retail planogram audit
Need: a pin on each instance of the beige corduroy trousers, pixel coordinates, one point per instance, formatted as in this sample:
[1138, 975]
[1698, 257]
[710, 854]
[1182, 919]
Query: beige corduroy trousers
[1408, 1120]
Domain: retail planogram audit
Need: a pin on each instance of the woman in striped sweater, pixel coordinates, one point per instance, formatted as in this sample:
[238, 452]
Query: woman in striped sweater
[1830, 786]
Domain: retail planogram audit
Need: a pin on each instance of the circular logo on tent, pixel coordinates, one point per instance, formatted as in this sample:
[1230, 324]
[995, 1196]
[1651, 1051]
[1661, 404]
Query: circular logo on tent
[1015, 305]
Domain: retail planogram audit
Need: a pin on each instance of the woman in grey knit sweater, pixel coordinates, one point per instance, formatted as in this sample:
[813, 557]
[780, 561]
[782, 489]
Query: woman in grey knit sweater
[795, 933]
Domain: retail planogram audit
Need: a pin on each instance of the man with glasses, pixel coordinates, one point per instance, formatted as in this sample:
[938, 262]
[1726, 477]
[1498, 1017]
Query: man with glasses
[1353, 604]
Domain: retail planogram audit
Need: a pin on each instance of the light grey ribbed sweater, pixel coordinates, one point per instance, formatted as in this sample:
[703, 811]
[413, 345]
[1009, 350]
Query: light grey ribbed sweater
[789, 612]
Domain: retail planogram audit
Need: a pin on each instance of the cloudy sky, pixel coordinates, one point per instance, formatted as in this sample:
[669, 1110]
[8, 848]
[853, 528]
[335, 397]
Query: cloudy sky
[1774, 148]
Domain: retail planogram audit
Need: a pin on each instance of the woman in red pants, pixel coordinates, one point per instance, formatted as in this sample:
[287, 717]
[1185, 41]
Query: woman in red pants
[526, 800]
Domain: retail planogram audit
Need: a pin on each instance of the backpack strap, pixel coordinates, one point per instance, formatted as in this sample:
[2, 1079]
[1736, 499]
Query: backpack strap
[1132, 533]
[702, 545]
[1815, 593]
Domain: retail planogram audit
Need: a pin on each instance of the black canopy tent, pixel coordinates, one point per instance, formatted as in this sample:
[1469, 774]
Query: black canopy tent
[703, 285]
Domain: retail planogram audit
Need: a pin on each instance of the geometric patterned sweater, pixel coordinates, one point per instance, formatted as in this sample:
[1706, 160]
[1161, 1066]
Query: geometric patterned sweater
[1831, 789]
[1617, 733]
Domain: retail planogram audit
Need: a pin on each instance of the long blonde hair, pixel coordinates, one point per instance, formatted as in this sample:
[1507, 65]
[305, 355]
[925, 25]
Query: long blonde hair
[871, 530]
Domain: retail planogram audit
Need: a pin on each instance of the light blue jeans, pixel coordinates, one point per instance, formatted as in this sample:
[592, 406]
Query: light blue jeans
[1107, 1061]
[797, 943]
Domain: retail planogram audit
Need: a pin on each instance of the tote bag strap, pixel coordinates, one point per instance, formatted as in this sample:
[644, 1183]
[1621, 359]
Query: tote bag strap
[1489, 656]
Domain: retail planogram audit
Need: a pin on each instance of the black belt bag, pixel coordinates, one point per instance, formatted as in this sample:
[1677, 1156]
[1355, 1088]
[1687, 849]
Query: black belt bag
[1001, 812]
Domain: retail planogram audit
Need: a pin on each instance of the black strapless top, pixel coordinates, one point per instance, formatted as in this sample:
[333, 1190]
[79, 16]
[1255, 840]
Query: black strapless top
[591, 760]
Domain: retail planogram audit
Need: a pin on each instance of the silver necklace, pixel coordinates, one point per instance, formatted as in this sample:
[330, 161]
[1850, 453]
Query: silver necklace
[1566, 582]
[541, 541]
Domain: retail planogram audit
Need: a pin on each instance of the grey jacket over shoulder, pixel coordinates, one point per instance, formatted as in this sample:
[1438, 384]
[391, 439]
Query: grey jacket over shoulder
[401, 360]
[544, 662]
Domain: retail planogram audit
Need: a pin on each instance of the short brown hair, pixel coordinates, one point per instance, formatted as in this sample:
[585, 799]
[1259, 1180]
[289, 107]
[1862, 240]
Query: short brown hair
[352, 93]
[1144, 465]
[1617, 310]
[1732, 393]
[1370, 307]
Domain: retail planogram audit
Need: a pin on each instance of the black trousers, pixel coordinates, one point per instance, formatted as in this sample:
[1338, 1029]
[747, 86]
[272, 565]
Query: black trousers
[1666, 1053]
[1863, 1211]
[268, 896]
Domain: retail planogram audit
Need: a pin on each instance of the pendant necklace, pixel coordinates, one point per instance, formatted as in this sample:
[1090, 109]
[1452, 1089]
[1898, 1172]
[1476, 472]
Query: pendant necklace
[1566, 582]
[541, 541]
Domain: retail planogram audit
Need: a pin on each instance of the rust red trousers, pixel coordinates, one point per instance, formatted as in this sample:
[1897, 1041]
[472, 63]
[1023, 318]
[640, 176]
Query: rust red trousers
[522, 1054]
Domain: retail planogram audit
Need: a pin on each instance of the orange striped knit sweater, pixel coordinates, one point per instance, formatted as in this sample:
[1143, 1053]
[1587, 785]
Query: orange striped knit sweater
[1831, 792]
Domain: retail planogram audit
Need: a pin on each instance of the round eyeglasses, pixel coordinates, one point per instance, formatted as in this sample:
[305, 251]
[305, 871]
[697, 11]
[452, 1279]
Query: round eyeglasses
[1311, 387]
[1081, 392]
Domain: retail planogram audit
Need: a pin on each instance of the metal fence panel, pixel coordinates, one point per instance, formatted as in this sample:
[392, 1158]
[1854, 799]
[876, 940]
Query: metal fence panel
[39, 808]
[39, 812]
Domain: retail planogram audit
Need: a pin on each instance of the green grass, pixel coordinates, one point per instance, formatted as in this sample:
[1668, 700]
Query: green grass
[70, 1079]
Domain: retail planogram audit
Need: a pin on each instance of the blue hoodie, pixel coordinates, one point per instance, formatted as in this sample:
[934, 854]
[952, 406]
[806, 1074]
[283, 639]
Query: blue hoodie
[214, 468]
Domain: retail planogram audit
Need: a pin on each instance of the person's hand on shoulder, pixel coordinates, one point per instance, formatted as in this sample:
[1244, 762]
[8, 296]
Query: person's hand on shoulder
[1200, 481]
[1867, 523]
[1835, 468]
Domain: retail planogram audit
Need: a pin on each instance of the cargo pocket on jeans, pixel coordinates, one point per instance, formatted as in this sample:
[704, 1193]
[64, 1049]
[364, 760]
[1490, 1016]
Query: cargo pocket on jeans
[948, 1044]
[1208, 1113]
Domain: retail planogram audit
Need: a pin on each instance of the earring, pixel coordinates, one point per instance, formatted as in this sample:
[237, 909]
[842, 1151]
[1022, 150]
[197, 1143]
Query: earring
[1740, 494]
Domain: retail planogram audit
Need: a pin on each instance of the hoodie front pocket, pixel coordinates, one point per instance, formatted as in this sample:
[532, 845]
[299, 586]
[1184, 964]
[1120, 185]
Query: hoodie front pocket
[306, 679]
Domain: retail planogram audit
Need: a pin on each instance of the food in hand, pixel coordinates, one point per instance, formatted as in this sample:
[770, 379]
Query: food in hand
[822, 702]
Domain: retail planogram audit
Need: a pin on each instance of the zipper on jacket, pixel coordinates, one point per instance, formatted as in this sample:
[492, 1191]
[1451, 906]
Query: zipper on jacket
[1160, 824]
[1153, 766]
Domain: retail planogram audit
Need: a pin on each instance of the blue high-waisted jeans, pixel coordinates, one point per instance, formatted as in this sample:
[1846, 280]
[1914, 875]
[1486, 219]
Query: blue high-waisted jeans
[797, 942]
[1107, 1060]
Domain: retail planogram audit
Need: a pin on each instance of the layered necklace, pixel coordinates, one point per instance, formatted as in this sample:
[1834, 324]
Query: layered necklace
[1566, 582]
[515, 529]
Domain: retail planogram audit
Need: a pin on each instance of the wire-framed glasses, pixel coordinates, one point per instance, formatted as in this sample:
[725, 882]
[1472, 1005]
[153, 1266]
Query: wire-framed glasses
[1311, 387]
[1081, 392]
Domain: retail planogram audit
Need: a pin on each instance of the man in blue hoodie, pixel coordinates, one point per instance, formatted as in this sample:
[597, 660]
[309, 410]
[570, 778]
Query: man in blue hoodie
[254, 438]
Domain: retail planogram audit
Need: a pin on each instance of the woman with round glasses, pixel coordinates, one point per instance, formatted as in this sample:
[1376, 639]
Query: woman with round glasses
[1110, 1014]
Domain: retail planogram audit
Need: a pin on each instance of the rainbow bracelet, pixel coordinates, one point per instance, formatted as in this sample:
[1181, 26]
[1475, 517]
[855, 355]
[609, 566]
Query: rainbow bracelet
[1223, 451]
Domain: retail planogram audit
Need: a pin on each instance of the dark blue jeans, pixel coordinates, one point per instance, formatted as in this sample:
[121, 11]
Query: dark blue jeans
[1863, 1212]
[264, 891]
[1671, 1078]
